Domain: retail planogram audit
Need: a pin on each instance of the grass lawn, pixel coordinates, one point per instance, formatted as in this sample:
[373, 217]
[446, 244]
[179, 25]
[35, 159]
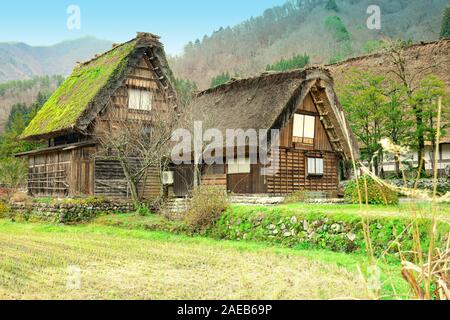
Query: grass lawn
[422, 209]
[116, 263]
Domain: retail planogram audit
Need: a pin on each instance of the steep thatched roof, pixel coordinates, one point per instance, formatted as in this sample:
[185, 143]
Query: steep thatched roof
[76, 103]
[269, 101]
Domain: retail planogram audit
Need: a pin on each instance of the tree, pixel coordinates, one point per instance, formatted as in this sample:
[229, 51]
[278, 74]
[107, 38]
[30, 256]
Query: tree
[335, 25]
[424, 100]
[418, 103]
[19, 118]
[220, 79]
[364, 101]
[185, 90]
[296, 62]
[13, 172]
[398, 122]
[138, 145]
[445, 26]
[331, 5]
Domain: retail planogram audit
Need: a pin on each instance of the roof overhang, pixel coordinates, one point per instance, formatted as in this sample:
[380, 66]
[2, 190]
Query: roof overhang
[65, 147]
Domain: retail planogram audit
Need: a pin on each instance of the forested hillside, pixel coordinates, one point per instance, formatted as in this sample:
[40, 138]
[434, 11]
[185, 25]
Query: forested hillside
[24, 92]
[325, 30]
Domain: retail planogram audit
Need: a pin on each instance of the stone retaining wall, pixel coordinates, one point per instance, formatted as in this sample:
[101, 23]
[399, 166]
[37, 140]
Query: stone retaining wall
[66, 212]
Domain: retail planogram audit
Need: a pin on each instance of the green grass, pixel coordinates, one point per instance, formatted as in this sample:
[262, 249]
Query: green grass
[118, 263]
[402, 210]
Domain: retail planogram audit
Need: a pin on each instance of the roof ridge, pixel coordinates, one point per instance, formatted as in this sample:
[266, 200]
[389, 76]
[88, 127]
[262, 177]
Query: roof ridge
[98, 56]
[380, 53]
[139, 35]
[263, 75]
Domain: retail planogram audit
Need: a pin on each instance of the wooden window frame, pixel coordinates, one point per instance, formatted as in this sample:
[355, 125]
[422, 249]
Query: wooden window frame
[141, 91]
[315, 173]
[303, 139]
[247, 164]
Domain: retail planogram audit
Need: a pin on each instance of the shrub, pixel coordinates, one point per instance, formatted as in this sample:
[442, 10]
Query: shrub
[20, 197]
[88, 201]
[376, 193]
[206, 207]
[4, 210]
[13, 172]
[143, 210]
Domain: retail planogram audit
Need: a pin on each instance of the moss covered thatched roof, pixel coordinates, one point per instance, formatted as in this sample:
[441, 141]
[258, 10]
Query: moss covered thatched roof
[87, 90]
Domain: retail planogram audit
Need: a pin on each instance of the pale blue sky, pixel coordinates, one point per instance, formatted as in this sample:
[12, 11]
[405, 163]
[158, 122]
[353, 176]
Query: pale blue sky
[176, 21]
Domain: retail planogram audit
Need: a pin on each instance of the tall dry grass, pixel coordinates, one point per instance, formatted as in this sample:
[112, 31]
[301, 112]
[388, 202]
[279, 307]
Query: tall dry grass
[426, 271]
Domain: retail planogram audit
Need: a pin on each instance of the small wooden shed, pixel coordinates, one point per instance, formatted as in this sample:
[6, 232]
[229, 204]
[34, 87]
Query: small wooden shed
[130, 82]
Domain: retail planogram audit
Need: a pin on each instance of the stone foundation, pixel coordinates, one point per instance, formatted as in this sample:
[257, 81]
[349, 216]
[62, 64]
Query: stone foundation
[66, 212]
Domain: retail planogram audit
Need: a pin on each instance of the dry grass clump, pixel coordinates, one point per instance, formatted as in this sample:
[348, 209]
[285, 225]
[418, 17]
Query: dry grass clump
[205, 207]
[436, 272]
[20, 197]
[425, 268]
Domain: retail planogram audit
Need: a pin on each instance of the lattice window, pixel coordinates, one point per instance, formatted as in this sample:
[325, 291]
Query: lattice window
[140, 99]
[304, 129]
[241, 165]
[315, 166]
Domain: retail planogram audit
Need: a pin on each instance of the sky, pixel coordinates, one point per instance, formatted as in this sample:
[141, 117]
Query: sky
[45, 22]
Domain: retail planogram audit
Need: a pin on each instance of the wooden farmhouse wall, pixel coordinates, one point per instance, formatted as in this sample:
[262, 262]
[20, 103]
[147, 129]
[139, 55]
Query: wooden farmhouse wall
[109, 177]
[61, 173]
[293, 173]
[48, 173]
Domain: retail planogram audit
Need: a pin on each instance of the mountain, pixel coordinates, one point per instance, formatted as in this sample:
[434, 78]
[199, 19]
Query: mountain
[326, 30]
[20, 61]
[24, 92]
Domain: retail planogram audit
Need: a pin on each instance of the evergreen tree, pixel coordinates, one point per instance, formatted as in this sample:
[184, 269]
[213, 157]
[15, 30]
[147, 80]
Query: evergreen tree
[220, 79]
[185, 90]
[331, 5]
[296, 62]
[445, 27]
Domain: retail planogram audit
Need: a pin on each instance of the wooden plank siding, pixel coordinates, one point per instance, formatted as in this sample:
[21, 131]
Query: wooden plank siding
[109, 178]
[110, 181]
[48, 174]
[292, 175]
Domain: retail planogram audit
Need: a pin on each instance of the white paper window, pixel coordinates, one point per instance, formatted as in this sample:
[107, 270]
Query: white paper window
[241, 165]
[309, 127]
[139, 99]
[146, 100]
[304, 128]
[315, 166]
[299, 121]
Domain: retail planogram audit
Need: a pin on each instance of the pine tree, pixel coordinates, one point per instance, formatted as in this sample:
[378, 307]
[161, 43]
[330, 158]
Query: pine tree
[220, 79]
[331, 5]
[445, 28]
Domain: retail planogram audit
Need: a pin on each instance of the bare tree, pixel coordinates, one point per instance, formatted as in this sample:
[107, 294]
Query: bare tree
[140, 145]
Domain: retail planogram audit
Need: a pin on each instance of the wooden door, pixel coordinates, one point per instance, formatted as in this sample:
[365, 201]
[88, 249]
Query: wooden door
[183, 180]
